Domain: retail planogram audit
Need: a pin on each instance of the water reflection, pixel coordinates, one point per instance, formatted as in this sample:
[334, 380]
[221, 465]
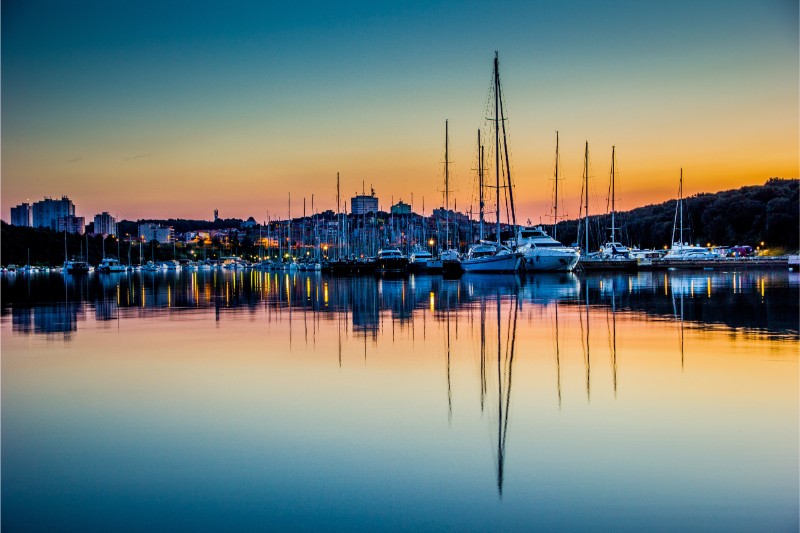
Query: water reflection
[750, 301]
[489, 388]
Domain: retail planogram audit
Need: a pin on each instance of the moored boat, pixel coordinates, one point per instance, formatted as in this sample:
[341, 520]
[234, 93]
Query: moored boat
[489, 257]
[544, 253]
[391, 261]
[109, 264]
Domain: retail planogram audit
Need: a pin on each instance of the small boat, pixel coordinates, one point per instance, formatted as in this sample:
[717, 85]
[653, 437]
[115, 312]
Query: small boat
[150, 267]
[391, 261]
[110, 265]
[75, 267]
[419, 259]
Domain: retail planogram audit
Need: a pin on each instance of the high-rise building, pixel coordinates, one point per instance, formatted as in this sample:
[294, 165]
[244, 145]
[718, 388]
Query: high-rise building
[47, 212]
[401, 208]
[363, 204]
[155, 232]
[21, 215]
[105, 224]
[216, 215]
[72, 224]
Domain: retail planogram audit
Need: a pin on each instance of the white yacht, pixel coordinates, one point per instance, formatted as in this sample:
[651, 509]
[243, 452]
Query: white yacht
[73, 267]
[390, 260]
[544, 253]
[489, 257]
[109, 264]
[420, 256]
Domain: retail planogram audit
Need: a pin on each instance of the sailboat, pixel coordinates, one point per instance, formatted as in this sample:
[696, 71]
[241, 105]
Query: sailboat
[681, 250]
[612, 249]
[449, 253]
[488, 256]
[73, 266]
[541, 251]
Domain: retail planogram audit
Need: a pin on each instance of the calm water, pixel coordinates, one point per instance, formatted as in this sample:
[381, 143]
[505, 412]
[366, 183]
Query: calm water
[256, 401]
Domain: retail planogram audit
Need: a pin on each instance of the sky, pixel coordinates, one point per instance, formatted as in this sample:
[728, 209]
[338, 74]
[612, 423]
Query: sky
[174, 109]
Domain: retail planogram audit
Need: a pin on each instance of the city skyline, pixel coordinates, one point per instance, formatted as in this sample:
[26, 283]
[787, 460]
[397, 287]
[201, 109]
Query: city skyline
[173, 111]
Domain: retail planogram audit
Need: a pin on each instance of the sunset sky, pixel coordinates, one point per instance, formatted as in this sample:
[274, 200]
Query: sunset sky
[172, 109]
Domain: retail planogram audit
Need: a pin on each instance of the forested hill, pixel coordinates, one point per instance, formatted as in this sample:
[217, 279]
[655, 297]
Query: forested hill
[768, 213]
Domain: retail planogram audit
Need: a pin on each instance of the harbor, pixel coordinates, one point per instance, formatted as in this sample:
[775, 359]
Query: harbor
[400, 267]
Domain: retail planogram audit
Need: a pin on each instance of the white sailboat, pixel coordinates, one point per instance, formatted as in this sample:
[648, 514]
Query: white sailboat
[682, 251]
[449, 253]
[485, 256]
[613, 249]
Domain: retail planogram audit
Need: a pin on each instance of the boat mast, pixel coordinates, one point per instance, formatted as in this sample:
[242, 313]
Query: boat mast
[680, 203]
[480, 184]
[555, 200]
[497, 146]
[613, 184]
[289, 229]
[505, 146]
[446, 188]
[586, 186]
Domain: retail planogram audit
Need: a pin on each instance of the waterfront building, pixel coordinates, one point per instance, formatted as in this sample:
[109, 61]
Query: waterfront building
[363, 204]
[156, 232]
[45, 213]
[105, 224]
[72, 224]
[401, 208]
[21, 215]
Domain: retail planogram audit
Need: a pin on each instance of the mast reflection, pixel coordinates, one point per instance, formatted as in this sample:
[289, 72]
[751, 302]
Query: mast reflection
[745, 301]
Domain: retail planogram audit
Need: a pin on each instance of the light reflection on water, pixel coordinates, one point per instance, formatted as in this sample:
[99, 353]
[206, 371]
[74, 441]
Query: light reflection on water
[217, 400]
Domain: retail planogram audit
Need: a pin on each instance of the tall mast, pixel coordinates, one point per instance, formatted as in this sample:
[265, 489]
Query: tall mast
[446, 187]
[338, 221]
[613, 209]
[497, 145]
[680, 202]
[289, 229]
[505, 146]
[555, 200]
[480, 183]
[586, 186]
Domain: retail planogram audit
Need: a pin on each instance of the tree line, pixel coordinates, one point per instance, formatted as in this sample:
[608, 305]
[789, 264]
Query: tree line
[768, 213]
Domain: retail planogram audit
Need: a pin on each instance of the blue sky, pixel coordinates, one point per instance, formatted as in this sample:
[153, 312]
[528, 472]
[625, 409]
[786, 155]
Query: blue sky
[275, 98]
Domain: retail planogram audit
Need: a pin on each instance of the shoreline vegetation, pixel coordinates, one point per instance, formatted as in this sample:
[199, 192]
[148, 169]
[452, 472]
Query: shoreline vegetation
[768, 214]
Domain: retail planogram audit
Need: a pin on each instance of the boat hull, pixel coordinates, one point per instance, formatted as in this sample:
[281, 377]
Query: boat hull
[391, 265]
[543, 261]
[493, 264]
